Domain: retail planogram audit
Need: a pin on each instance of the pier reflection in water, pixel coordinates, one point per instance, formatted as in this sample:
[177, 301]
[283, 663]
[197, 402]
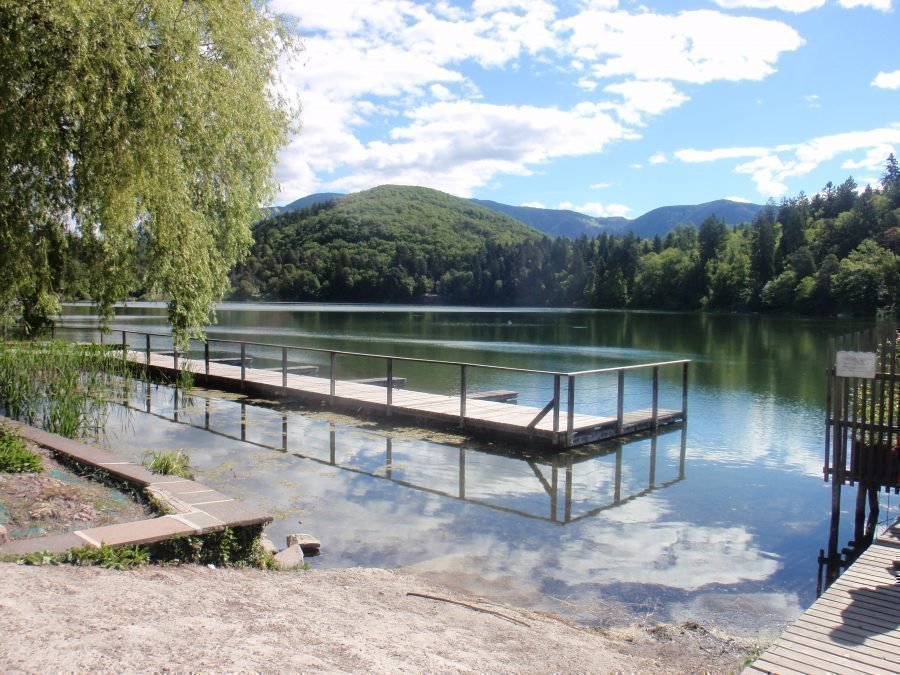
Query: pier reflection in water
[553, 474]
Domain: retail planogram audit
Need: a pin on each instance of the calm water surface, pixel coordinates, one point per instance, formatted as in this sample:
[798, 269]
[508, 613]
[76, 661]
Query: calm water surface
[720, 520]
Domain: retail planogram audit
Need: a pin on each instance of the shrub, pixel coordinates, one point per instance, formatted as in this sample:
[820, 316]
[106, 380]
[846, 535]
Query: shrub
[15, 457]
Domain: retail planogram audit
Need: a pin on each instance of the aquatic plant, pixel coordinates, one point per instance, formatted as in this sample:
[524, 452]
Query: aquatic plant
[169, 463]
[63, 387]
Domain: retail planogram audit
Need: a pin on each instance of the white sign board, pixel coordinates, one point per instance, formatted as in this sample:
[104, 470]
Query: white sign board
[856, 364]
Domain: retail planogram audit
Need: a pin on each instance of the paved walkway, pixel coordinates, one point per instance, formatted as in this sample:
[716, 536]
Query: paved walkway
[854, 627]
[194, 508]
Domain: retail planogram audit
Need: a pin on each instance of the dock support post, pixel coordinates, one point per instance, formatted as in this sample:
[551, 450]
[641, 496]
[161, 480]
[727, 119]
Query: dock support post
[684, 391]
[284, 367]
[556, 403]
[175, 359]
[462, 396]
[655, 414]
[570, 421]
[332, 386]
[620, 402]
[148, 352]
[390, 385]
[243, 363]
[206, 357]
[124, 346]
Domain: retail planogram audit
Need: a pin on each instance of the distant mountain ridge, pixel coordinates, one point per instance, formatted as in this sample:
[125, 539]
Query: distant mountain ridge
[572, 224]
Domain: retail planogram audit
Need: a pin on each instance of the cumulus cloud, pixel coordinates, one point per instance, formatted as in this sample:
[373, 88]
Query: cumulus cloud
[658, 158]
[695, 46]
[882, 5]
[641, 98]
[889, 80]
[770, 168]
[796, 6]
[597, 209]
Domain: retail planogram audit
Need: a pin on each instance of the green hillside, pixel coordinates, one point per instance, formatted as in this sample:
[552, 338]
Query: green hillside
[389, 243]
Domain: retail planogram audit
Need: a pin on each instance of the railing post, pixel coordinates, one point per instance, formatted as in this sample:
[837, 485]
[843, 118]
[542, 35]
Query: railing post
[684, 391]
[243, 364]
[462, 396]
[390, 385]
[333, 378]
[284, 367]
[148, 351]
[655, 414]
[124, 346]
[620, 403]
[175, 358]
[206, 356]
[570, 422]
[556, 404]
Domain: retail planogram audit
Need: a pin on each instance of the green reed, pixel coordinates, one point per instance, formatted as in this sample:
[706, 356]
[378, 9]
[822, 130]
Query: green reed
[60, 386]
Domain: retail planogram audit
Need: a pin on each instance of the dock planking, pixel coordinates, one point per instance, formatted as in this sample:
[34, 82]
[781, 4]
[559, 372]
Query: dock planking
[854, 627]
[482, 414]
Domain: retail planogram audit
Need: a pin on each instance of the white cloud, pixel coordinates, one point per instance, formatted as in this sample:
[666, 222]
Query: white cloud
[597, 209]
[440, 92]
[769, 168]
[600, 186]
[696, 46]
[642, 98]
[534, 205]
[740, 200]
[887, 80]
[784, 5]
[812, 100]
[882, 5]
[658, 158]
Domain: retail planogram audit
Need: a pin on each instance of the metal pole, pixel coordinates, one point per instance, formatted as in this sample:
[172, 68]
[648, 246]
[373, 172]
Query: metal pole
[124, 346]
[556, 379]
[333, 368]
[243, 364]
[284, 367]
[206, 356]
[462, 396]
[390, 385]
[655, 413]
[684, 391]
[620, 403]
[148, 350]
[570, 422]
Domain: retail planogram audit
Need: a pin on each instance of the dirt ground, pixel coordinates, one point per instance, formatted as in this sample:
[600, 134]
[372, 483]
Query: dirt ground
[196, 618]
[157, 618]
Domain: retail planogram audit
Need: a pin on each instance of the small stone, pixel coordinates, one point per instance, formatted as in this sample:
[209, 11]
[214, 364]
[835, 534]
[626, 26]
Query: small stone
[307, 542]
[290, 558]
[3, 535]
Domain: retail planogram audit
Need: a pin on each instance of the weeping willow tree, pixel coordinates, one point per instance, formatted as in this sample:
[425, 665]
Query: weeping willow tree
[150, 129]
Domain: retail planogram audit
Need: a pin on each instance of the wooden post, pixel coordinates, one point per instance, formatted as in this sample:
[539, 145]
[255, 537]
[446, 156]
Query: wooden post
[570, 421]
[620, 402]
[175, 358]
[243, 364]
[390, 385]
[684, 391]
[124, 347]
[284, 367]
[148, 352]
[206, 357]
[333, 378]
[462, 396]
[655, 414]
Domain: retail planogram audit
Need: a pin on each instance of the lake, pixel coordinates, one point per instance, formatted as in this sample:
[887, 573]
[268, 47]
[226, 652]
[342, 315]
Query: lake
[719, 520]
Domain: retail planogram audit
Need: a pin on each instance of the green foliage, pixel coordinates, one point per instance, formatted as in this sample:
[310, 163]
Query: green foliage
[117, 558]
[15, 457]
[61, 386]
[230, 546]
[150, 127]
[169, 463]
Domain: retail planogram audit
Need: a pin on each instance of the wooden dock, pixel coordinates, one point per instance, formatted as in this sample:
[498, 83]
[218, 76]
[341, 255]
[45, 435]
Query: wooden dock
[854, 627]
[490, 413]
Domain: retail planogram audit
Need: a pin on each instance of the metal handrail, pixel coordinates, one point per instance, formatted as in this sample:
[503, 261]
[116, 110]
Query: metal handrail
[554, 404]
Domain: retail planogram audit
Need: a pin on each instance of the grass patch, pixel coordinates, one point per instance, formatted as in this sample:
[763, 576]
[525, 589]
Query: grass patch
[15, 457]
[169, 463]
[116, 558]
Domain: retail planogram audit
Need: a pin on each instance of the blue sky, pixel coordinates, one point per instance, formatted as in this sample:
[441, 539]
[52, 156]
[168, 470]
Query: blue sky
[608, 107]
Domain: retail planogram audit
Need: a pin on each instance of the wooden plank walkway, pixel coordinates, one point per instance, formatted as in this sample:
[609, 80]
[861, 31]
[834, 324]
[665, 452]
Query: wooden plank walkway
[854, 627]
[496, 418]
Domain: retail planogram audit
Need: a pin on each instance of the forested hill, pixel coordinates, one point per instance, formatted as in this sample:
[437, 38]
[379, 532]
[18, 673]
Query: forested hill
[390, 243]
[834, 252]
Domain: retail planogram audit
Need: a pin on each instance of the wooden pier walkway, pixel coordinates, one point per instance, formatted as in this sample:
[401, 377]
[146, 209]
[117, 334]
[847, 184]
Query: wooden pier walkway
[854, 627]
[553, 425]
